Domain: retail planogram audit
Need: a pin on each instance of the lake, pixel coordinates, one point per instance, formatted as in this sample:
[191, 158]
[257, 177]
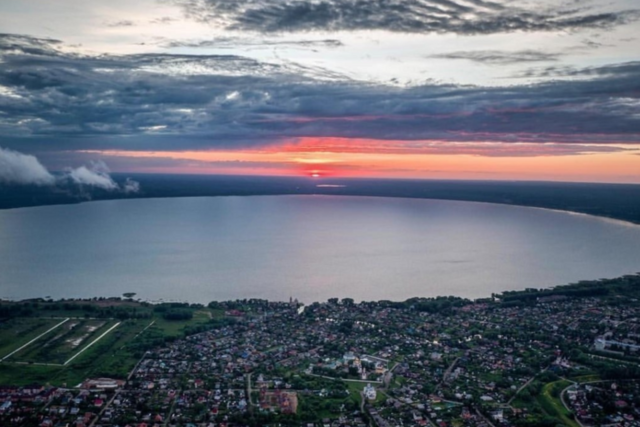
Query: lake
[306, 247]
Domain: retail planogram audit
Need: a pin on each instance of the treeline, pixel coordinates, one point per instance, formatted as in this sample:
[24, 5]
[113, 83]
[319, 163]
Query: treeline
[622, 286]
[248, 304]
[33, 308]
[93, 310]
[96, 308]
[437, 305]
[612, 290]
[177, 310]
[15, 310]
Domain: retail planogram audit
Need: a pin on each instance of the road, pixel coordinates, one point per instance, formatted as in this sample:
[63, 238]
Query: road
[448, 371]
[345, 379]
[484, 418]
[248, 391]
[523, 386]
[562, 394]
[104, 408]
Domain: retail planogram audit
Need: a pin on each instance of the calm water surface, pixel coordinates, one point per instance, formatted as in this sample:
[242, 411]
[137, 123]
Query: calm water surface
[308, 247]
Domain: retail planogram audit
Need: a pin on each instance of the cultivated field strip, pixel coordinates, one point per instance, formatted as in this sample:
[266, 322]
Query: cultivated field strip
[61, 344]
[92, 343]
[34, 340]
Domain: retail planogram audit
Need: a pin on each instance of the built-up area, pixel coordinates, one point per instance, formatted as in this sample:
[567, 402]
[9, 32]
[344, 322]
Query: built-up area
[514, 360]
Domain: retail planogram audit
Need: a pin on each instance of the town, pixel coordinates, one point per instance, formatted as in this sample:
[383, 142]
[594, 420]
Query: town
[564, 356]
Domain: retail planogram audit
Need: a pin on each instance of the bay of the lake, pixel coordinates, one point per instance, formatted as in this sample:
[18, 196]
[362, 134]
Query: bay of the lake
[306, 247]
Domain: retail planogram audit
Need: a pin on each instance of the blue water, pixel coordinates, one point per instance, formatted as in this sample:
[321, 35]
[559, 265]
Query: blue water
[308, 247]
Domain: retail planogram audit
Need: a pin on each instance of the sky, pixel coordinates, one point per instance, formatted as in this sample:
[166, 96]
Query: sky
[433, 89]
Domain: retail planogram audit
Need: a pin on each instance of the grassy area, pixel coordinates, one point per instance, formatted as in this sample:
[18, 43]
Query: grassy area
[114, 355]
[175, 328]
[110, 357]
[398, 381]
[490, 377]
[355, 388]
[354, 391]
[323, 407]
[20, 375]
[587, 378]
[64, 342]
[18, 331]
[549, 401]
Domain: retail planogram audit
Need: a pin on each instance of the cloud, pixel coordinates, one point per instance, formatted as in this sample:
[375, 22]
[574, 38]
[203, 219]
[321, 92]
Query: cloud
[480, 149]
[131, 186]
[25, 169]
[95, 175]
[18, 43]
[625, 69]
[18, 168]
[409, 16]
[244, 42]
[122, 23]
[52, 100]
[496, 57]
[164, 20]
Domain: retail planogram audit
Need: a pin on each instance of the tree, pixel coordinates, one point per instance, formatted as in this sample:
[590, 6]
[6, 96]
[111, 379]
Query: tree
[177, 314]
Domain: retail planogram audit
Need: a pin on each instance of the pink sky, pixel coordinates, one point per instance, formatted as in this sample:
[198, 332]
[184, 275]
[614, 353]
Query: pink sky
[341, 157]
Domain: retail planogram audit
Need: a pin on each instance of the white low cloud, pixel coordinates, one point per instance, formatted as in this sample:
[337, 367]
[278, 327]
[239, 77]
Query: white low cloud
[19, 168]
[95, 175]
[131, 186]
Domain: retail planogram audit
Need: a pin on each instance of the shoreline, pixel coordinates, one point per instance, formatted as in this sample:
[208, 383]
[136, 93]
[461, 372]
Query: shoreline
[615, 220]
[119, 300]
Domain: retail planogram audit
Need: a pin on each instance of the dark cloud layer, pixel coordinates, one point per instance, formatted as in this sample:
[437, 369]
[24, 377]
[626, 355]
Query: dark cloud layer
[625, 69]
[18, 43]
[50, 100]
[235, 43]
[411, 16]
[496, 57]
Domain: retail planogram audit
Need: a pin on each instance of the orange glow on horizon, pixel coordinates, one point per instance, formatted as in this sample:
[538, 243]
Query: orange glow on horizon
[340, 157]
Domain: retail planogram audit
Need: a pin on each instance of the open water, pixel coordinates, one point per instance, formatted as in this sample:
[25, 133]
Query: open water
[306, 247]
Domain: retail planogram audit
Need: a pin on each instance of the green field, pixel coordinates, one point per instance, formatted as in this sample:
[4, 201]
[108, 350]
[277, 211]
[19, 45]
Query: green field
[550, 402]
[110, 356]
[61, 344]
[114, 355]
[175, 328]
[355, 390]
[18, 331]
